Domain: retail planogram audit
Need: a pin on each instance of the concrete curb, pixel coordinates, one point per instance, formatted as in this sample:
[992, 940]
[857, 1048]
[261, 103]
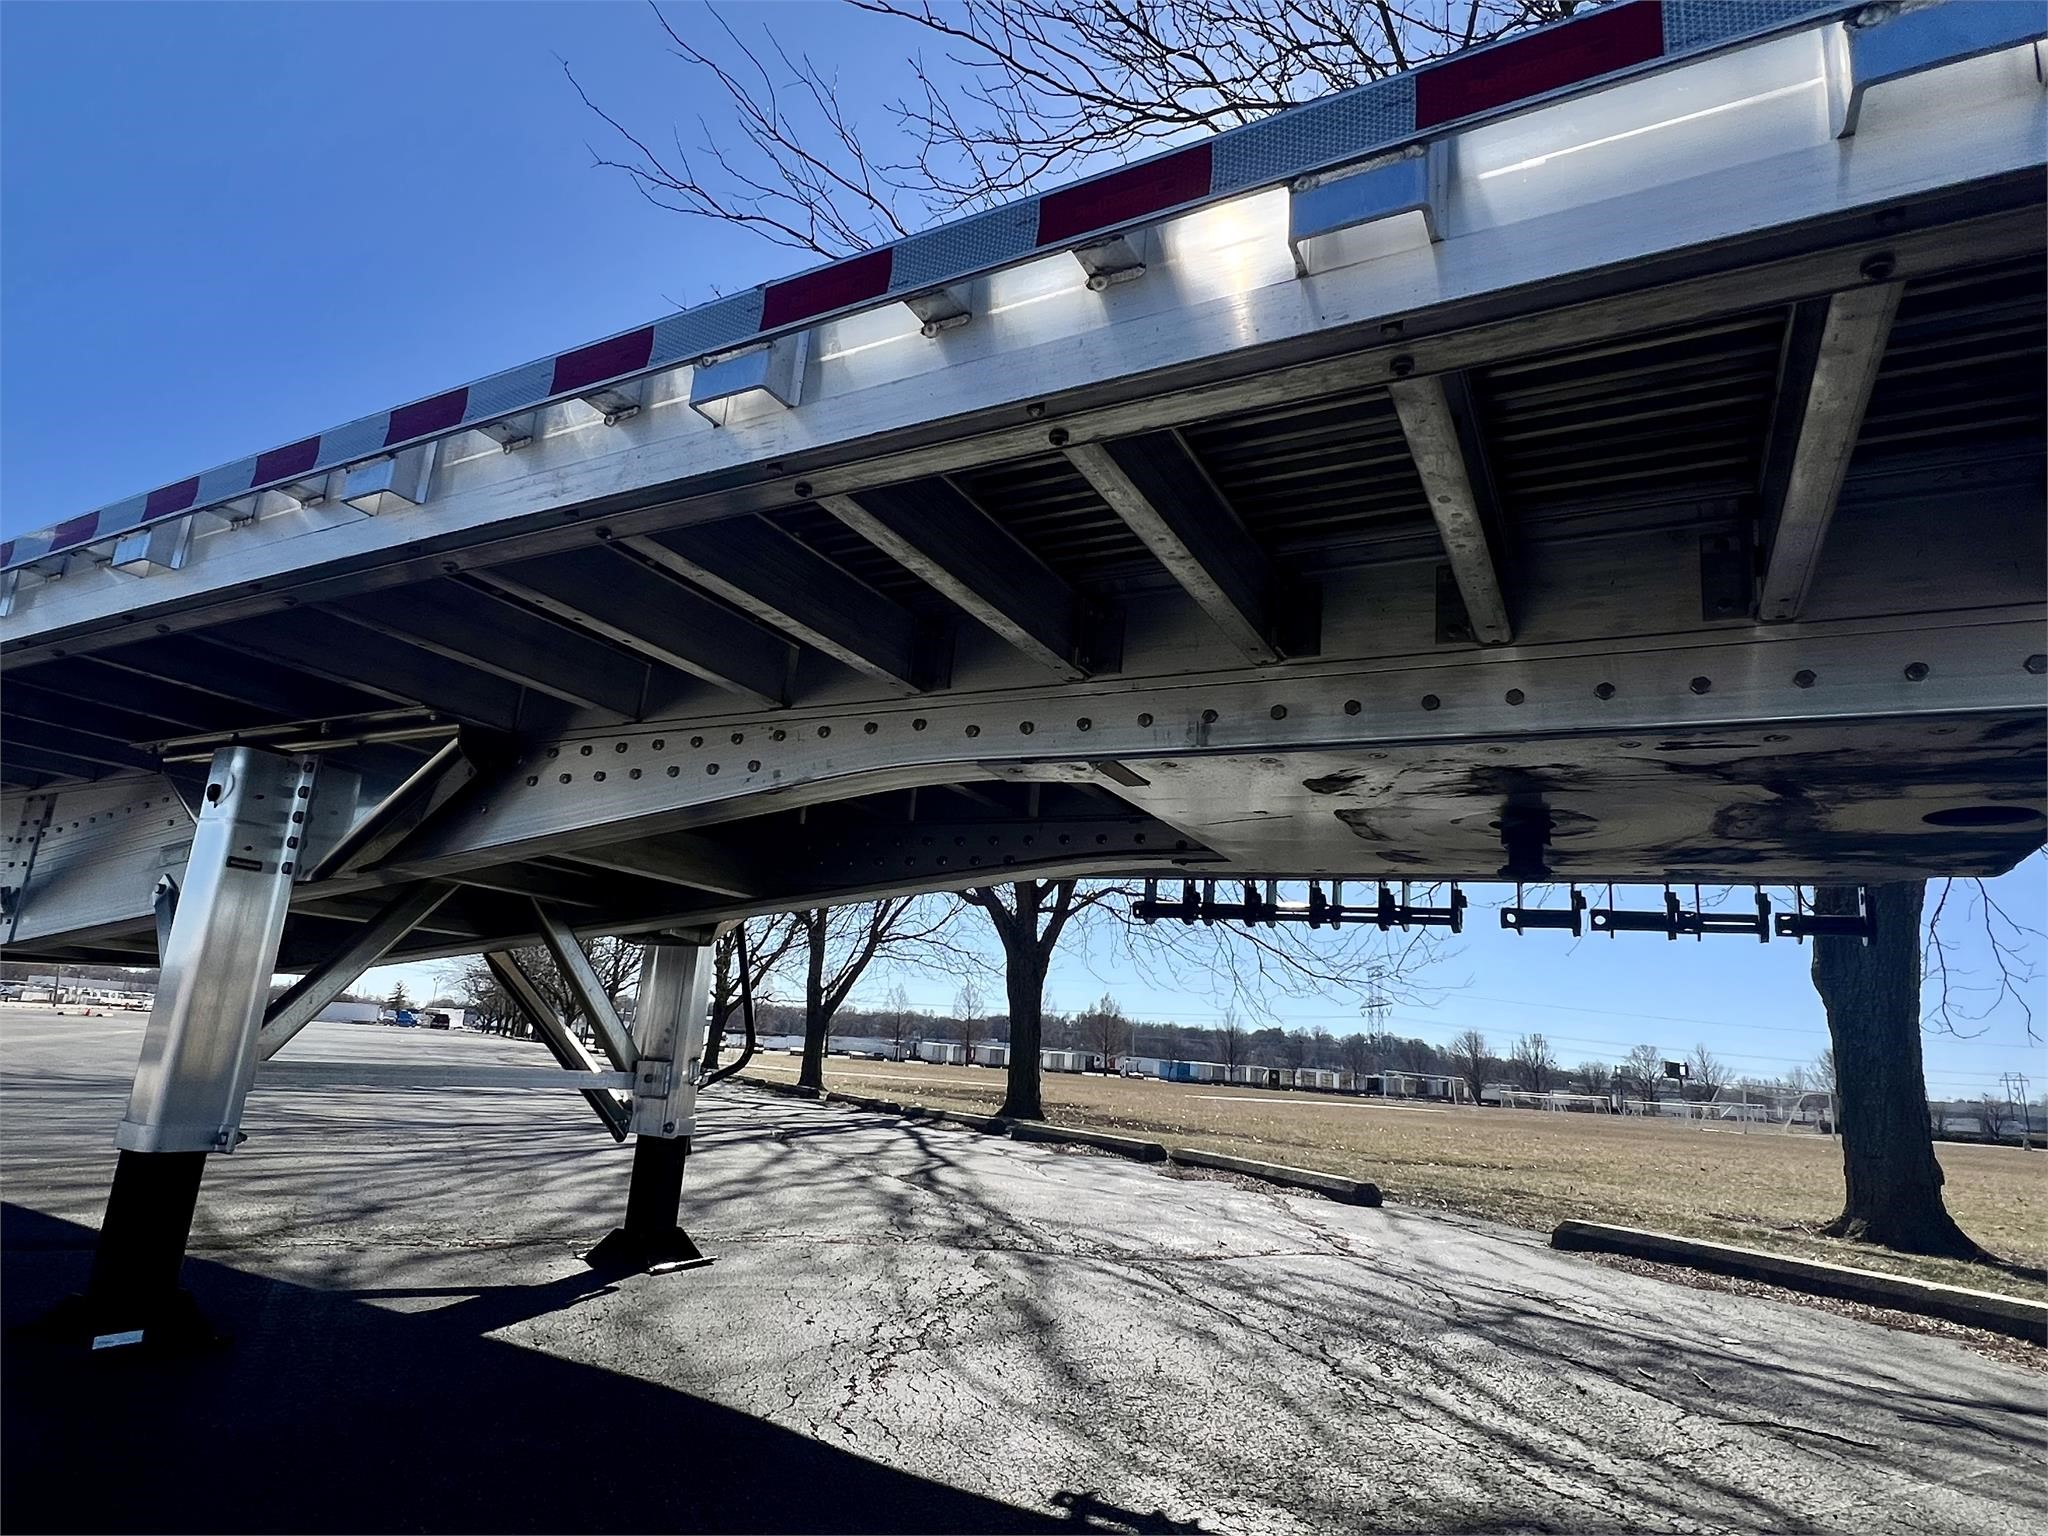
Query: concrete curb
[1123, 1146]
[787, 1090]
[1334, 1186]
[875, 1106]
[2012, 1315]
[1337, 1187]
[988, 1125]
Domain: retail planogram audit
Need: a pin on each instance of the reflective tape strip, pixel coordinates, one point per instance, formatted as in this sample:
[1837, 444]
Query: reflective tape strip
[284, 463]
[1544, 61]
[1123, 197]
[824, 289]
[602, 360]
[171, 498]
[79, 530]
[435, 414]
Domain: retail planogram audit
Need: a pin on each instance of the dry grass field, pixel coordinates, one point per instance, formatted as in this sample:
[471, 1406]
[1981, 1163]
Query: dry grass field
[1764, 1188]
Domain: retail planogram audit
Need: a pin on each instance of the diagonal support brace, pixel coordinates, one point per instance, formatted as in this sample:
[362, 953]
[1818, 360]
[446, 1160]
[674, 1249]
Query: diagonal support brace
[560, 1041]
[584, 987]
[299, 1006]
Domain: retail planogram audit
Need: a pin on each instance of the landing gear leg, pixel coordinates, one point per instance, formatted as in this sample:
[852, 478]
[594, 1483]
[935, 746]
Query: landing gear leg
[200, 1051]
[668, 1029]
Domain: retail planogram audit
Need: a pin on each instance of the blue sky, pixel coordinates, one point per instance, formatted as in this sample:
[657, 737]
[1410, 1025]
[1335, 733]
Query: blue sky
[223, 227]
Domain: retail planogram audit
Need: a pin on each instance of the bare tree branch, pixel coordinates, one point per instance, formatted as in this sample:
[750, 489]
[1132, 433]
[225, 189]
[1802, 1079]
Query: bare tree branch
[1017, 94]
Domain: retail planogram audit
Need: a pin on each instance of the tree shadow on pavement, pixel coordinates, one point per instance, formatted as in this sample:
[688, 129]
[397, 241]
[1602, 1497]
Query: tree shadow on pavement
[329, 1414]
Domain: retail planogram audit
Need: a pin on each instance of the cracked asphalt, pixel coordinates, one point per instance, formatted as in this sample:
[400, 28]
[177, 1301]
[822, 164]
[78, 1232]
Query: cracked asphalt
[910, 1327]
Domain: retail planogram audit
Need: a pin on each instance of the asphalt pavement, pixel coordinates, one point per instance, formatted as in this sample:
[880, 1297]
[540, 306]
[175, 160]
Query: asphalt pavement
[908, 1328]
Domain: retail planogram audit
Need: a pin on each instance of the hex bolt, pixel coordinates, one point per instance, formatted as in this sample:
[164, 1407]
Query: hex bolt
[2037, 664]
[1701, 684]
[1515, 695]
[1916, 672]
[1604, 691]
[1279, 712]
[1352, 706]
[1431, 701]
[1058, 437]
[1401, 366]
[802, 489]
[1879, 266]
[1804, 678]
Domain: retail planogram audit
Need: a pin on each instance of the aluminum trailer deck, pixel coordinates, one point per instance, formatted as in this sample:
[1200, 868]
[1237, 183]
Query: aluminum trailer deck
[1633, 429]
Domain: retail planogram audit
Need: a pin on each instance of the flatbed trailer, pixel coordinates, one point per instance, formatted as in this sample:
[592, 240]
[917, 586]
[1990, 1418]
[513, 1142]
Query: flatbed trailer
[1615, 454]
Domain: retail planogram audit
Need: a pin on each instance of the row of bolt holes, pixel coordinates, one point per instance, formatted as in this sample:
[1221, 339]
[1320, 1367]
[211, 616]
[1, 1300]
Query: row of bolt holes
[1916, 672]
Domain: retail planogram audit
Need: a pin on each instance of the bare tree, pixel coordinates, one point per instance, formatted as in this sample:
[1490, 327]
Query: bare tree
[1105, 1029]
[1535, 1061]
[970, 1015]
[1593, 1077]
[898, 1019]
[1966, 996]
[1014, 95]
[1990, 1111]
[1709, 1076]
[1029, 917]
[840, 943]
[1356, 1053]
[488, 1005]
[1233, 1040]
[1641, 1070]
[1470, 1059]
[1872, 994]
[770, 942]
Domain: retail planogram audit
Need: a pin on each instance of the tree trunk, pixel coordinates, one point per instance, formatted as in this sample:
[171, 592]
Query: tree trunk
[1025, 982]
[815, 1017]
[1872, 996]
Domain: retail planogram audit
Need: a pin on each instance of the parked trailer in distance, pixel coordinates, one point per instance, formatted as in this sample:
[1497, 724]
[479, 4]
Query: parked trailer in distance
[1416, 1085]
[991, 1055]
[1262, 1077]
[1322, 1079]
